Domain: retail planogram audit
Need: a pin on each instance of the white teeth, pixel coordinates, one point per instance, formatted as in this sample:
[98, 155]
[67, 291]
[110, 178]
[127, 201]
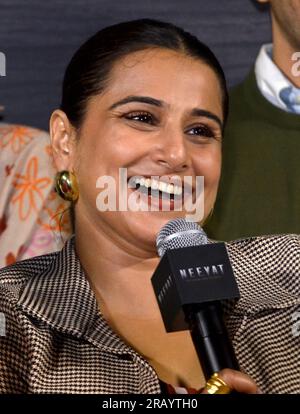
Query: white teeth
[159, 185]
[163, 187]
[177, 190]
[171, 188]
[154, 185]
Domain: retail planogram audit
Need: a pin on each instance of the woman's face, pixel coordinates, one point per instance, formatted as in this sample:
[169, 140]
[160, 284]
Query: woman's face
[160, 115]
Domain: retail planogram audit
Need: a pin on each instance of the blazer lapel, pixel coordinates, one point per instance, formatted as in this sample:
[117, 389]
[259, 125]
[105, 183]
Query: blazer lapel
[61, 297]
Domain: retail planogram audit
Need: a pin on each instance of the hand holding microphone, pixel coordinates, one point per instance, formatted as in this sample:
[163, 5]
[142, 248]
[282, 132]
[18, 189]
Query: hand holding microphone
[230, 381]
[191, 281]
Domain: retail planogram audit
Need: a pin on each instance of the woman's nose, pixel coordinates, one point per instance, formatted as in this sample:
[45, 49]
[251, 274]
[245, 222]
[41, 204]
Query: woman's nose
[171, 151]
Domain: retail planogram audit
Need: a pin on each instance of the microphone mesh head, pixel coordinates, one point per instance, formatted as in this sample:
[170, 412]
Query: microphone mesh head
[179, 233]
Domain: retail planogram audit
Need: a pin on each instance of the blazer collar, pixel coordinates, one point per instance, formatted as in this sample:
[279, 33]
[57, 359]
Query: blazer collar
[61, 297]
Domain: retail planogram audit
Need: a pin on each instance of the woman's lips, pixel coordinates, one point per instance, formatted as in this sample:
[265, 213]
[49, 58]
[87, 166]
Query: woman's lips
[160, 193]
[160, 201]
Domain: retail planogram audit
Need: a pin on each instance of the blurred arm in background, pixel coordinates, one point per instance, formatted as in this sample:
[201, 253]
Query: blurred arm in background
[33, 219]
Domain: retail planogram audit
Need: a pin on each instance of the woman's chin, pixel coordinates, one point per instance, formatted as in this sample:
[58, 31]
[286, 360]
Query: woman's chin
[147, 225]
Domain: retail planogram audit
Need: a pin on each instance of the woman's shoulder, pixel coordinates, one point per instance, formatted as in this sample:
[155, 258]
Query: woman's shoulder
[14, 277]
[264, 323]
[16, 330]
[273, 258]
[279, 246]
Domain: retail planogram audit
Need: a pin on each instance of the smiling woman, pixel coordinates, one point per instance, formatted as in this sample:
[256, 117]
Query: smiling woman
[125, 112]
[147, 98]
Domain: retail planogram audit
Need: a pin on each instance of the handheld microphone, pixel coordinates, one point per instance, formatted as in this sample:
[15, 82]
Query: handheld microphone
[192, 279]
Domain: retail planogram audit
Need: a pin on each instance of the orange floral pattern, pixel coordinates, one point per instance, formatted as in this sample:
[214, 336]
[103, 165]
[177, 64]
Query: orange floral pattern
[29, 194]
[32, 218]
[16, 137]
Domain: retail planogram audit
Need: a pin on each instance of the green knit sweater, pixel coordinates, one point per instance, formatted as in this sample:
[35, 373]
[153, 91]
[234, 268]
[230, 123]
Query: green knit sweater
[259, 191]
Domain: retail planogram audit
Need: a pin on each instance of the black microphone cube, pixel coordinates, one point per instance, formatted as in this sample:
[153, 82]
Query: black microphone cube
[191, 276]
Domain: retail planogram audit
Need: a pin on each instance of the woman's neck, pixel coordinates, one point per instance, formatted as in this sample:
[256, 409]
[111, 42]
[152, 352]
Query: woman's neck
[119, 275]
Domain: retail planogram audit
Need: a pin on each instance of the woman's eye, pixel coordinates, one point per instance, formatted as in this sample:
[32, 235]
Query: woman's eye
[143, 117]
[202, 131]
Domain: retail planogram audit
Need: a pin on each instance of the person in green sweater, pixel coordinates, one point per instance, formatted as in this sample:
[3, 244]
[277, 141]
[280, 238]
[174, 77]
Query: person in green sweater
[259, 191]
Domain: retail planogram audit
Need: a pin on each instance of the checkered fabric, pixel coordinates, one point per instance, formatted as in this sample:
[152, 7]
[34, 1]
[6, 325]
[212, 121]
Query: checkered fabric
[56, 341]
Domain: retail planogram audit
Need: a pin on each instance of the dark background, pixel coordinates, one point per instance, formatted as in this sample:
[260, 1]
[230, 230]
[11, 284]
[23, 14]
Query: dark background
[39, 39]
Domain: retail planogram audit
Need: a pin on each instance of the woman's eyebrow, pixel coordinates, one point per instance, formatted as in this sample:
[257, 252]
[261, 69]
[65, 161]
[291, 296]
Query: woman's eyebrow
[159, 103]
[207, 114]
[142, 99]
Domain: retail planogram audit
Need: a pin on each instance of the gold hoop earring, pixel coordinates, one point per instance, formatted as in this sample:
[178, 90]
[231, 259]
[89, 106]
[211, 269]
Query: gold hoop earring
[66, 185]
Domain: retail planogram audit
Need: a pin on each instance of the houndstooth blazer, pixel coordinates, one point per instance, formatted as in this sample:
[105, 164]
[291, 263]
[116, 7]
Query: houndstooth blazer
[57, 342]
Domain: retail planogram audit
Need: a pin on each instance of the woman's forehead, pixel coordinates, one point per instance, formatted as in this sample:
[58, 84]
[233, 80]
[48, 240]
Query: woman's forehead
[165, 75]
[156, 64]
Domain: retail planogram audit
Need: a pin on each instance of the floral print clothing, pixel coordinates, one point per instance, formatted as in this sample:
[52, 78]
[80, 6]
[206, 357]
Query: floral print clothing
[33, 219]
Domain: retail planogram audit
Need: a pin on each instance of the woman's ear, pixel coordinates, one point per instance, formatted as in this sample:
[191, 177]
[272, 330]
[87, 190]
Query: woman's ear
[63, 141]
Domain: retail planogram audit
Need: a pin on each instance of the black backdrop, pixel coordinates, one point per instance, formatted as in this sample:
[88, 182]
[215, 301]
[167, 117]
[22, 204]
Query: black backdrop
[39, 37]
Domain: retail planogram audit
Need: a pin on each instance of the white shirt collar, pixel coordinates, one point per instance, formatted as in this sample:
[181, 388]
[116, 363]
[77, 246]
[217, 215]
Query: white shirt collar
[270, 80]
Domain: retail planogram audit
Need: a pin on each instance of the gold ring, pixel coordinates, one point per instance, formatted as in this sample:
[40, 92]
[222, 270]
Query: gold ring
[215, 385]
